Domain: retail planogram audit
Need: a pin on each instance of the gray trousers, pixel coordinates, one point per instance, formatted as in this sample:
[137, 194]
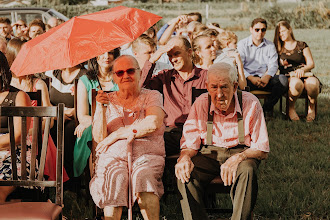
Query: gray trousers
[206, 167]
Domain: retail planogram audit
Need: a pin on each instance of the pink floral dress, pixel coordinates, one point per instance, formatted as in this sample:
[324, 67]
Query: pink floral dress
[109, 186]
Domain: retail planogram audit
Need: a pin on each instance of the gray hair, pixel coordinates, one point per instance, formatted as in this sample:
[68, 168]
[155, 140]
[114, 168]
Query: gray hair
[220, 68]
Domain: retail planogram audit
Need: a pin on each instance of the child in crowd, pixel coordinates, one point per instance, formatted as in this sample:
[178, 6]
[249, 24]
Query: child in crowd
[230, 55]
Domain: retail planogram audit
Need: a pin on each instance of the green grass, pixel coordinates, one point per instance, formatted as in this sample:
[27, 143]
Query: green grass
[294, 180]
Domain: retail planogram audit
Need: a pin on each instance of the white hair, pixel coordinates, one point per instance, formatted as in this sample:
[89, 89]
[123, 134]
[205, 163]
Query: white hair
[220, 68]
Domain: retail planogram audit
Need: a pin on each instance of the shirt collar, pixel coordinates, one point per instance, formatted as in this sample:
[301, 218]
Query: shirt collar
[250, 42]
[237, 108]
[195, 72]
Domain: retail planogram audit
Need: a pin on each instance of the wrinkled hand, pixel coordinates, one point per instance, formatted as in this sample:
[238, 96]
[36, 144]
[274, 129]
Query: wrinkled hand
[102, 97]
[264, 81]
[104, 145]
[229, 169]
[183, 169]
[299, 73]
[79, 130]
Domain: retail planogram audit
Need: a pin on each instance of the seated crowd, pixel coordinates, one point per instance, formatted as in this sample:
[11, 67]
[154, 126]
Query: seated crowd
[146, 87]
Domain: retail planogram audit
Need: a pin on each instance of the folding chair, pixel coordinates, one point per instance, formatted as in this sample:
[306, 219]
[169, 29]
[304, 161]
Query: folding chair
[34, 210]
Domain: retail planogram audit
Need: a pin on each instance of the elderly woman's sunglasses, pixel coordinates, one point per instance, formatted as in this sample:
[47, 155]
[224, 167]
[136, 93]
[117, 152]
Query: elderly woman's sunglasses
[130, 71]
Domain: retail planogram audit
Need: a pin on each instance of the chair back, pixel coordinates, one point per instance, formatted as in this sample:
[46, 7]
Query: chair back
[37, 113]
[37, 96]
[196, 92]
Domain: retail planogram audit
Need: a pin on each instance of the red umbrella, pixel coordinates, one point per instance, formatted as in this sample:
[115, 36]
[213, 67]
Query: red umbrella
[82, 38]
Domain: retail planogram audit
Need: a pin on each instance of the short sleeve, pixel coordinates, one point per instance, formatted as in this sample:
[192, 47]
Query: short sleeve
[302, 45]
[153, 98]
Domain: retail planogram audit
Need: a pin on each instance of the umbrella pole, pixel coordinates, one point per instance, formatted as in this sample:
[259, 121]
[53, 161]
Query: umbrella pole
[130, 187]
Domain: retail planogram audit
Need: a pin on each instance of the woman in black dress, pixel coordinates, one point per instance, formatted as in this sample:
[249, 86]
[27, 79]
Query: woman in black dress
[296, 61]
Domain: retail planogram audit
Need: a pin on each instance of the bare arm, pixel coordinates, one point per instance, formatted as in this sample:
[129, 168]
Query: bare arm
[99, 129]
[241, 77]
[171, 28]
[153, 120]
[22, 99]
[309, 63]
[41, 85]
[84, 118]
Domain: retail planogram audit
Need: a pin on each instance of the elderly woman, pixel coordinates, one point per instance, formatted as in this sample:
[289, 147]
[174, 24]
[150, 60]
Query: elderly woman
[9, 98]
[117, 115]
[295, 59]
[99, 77]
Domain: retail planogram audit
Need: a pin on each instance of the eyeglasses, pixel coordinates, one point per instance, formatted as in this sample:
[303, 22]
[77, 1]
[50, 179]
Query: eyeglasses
[130, 71]
[260, 29]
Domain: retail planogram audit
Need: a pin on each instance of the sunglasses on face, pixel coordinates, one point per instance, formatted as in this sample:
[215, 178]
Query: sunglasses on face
[260, 29]
[130, 71]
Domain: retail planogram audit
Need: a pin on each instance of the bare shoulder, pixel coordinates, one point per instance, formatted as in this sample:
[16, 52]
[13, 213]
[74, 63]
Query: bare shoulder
[22, 99]
[40, 84]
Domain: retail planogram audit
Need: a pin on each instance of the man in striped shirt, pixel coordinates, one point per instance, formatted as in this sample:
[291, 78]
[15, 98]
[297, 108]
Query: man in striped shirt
[235, 162]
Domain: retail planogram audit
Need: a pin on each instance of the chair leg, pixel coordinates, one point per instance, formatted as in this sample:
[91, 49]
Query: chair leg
[306, 105]
[287, 107]
[281, 105]
[315, 108]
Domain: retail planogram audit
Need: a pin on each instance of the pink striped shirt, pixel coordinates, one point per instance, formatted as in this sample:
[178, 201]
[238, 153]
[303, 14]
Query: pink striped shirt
[225, 127]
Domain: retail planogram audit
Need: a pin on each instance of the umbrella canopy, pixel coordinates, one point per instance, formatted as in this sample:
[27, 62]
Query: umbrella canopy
[82, 38]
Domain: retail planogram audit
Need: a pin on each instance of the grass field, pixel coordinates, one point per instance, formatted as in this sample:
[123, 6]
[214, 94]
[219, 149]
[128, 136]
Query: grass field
[294, 180]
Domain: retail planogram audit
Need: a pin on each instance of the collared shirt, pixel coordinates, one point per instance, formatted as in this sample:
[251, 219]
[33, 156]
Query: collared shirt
[176, 91]
[257, 60]
[225, 127]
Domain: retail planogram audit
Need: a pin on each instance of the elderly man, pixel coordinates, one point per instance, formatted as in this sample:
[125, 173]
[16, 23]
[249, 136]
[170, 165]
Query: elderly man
[176, 86]
[235, 160]
[259, 59]
[5, 28]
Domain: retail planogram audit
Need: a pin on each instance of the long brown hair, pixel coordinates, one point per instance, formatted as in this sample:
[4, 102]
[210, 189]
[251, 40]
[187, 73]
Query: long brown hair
[5, 75]
[279, 44]
[13, 47]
